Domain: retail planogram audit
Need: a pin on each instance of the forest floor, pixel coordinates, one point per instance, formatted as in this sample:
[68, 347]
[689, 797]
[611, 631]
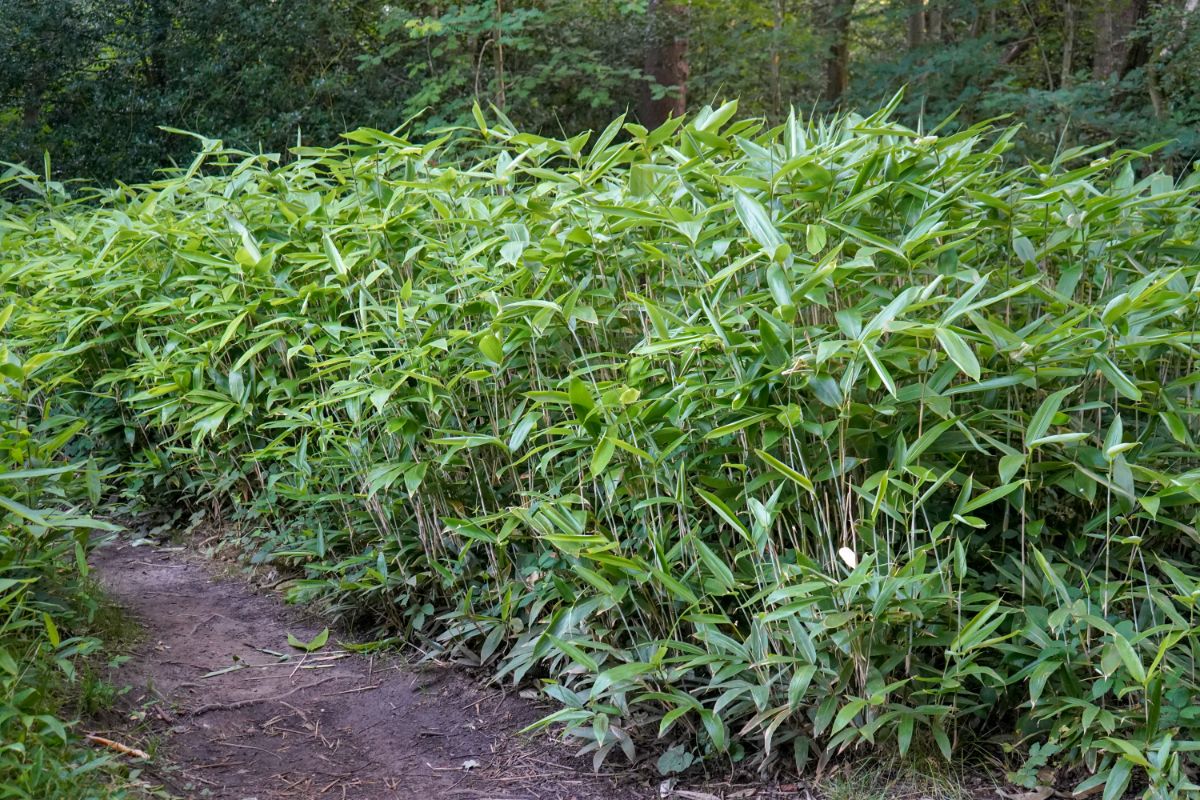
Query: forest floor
[228, 709]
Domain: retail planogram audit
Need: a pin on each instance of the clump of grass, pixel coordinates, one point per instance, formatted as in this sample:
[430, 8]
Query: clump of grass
[927, 776]
[772, 443]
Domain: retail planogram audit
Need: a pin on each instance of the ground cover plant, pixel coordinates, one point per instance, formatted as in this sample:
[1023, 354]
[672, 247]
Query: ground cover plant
[763, 444]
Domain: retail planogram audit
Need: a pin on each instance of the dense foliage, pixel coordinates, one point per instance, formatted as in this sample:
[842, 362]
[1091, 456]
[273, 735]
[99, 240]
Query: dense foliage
[768, 442]
[47, 608]
[92, 81]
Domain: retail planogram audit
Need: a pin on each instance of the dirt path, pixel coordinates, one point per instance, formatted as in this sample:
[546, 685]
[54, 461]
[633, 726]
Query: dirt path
[232, 711]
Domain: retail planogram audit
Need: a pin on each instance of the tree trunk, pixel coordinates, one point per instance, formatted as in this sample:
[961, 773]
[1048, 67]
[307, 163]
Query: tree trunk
[933, 22]
[916, 23]
[1102, 52]
[156, 51]
[498, 50]
[1068, 50]
[837, 59]
[1136, 48]
[31, 108]
[1152, 88]
[776, 59]
[1113, 22]
[666, 62]
[977, 23]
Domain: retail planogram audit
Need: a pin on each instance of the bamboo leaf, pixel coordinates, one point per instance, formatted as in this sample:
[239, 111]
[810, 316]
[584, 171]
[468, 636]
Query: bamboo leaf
[959, 352]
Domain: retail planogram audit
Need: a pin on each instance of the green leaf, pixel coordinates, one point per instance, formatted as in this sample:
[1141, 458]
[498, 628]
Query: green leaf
[1038, 677]
[943, 741]
[28, 474]
[758, 222]
[51, 630]
[582, 402]
[1119, 380]
[1059, 438]
[990, 496]
[574, 651]
[973, 633]
[715, 727]
[904, 734]
[316, 643]
[1129, 658]
[713, 563]
[1024, 249]
[799, 684]
[847, 713]
[1118, 780]
[877, 365]
[414, 476]
[784, 470]
[602, 455]
[80, 560]
[491, 348]
[1039, 423]
[334, 255]
[781, 289]
[619, 676]
[1010, 465]
[815, 238]
[958, 351]
[675, 759]
[23, 511]
[725, 513]
[737, 425]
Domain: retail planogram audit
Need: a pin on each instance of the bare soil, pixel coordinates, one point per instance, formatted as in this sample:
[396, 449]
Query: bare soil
[229, 710]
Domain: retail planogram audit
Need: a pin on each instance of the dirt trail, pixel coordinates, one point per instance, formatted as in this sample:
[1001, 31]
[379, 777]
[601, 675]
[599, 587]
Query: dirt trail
[326, 725]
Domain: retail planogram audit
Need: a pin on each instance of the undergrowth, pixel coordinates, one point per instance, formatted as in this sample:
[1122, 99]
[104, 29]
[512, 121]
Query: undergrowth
[50, 611]
[761, 444]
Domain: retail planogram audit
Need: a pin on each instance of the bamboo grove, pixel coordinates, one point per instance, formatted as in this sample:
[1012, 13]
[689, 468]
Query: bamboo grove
[770, 444]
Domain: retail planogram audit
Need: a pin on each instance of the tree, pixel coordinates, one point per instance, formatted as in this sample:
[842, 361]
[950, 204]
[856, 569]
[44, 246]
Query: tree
[665, 63]
[916, 23]
[933, 22]
[43, 46]
[92, 80]
[837, 60]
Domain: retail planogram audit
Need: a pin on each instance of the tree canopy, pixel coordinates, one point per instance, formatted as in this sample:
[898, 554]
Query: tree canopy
[93, 82]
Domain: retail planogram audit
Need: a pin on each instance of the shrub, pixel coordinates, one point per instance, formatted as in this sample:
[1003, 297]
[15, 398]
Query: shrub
[775, 443]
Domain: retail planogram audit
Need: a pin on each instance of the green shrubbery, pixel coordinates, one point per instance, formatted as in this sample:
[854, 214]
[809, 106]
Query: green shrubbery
[774, 443]
[47, 608]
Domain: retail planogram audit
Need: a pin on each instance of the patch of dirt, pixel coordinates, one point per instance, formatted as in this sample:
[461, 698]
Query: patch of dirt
[232, 712]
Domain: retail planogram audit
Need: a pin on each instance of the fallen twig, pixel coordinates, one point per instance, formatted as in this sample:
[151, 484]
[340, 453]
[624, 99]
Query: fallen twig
[360, 689]
[120, 748]
[271, 753]
[250, 701]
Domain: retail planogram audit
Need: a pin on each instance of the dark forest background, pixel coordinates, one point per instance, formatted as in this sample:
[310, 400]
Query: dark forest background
[92, 82]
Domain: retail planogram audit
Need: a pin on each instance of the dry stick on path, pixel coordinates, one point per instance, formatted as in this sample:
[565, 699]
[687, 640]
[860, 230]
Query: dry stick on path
[250, 701]
[117, 746]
